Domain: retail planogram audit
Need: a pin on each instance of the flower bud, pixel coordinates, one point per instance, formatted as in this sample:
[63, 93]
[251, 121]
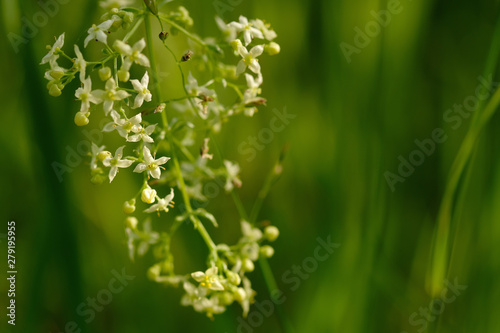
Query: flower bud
[233, 278]
[271, 233]
[131, 222]
[103, 154]
[154, 272]
[129, 206]
[54, 90]
[267, 251]
[226, 298]
[248, 265]
[98, 176]
[163, 35]
[105, 73]
[123, 75]
[235, 44]
[148, 195]
[56, 74]
[240, 295]
[80, 118]
[272, 48]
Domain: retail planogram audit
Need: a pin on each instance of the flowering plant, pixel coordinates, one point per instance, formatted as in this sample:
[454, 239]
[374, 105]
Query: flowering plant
[162, 152]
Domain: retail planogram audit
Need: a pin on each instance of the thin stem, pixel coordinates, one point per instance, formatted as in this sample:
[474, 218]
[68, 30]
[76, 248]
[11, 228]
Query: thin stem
[184, 31]
[182, 186]
[134, 29]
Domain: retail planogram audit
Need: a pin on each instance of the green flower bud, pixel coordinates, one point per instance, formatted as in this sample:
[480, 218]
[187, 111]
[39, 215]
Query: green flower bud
[235, 44]
[129, 206]
[233, 278]
[105, 73]
[55, 91]
[103, 154]
[123, 75]
[272, 48]
[267, 251]
[248, 265]
[271, 233]
[56, 74]
[81, 118]
[240, 295]
[131, 222]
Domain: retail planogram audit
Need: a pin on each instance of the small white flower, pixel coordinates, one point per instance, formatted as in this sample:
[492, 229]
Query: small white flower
[143, 134]
[150, 164]
[268, 33]
[110, 95]
[229, 32]
[86, 95]
[123, 126]
[249, 59]
[249, 31]
[142, 89]
[162, 204]
[116, 162]
[132, 53]
[98, 32]
[250, 234]
[232, 179]
[253, 87]
[194, 89]
[80, 63]
[51, 57]
[209, 279]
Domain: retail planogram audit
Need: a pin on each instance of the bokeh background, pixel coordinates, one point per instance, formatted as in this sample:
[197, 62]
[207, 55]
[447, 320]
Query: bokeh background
[353, 120]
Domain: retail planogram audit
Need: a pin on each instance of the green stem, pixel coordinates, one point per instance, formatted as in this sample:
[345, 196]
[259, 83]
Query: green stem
[184, 31]
[134, 29]
[182, 185]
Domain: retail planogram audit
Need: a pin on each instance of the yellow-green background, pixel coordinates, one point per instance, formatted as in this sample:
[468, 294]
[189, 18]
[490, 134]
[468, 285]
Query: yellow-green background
[352, 122]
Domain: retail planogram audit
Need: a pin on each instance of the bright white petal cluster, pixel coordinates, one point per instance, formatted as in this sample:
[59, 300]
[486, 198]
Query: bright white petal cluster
[115, 162]
[123, 126]
[151, 165]
[249, 32]
[110, 95]
[99, 32]
[143, 94]
[249, 59]
[208, 279]
[86, 95]
[132, 54]
[52, 56]
[162, 204]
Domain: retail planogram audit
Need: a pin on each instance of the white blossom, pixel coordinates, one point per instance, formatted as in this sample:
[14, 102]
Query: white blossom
[150, 164]
[80, 63]
[116, 162]
[232, 170]
[98, 32]
[249, 59]
[247, 28]
[143, 134]
[132, 54]
[228, 31]
[51, 57]
[162, 204]
[123, 126]
[110, 95]
[208, 279]
[86, 95]
[268, 33]
[142, 89]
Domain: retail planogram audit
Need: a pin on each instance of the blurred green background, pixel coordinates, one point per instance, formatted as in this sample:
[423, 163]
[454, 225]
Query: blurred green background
[353, 120]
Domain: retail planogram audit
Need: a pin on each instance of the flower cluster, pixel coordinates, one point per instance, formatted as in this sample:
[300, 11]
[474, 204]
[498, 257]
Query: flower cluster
[152, 131]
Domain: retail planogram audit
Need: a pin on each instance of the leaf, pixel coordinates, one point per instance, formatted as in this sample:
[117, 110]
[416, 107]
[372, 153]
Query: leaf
[203, 213]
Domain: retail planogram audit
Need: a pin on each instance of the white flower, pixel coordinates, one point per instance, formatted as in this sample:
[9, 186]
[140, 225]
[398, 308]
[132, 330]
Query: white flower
[86, 95]
[249, 31]
[150, 164]
[98, 32]
[253, 87]
[162, 204]
[142, 134]
[249, 59]
[268, 33]
[229, 32]
[51, 57]
[132, 53]
[209, 279]
[142, 88]
[95, 151]
[250, 234]
[110, 4]
[123, 126]
[116, 162]
[232, 179]
[193, 296]
[80, 63]
[110, 95]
